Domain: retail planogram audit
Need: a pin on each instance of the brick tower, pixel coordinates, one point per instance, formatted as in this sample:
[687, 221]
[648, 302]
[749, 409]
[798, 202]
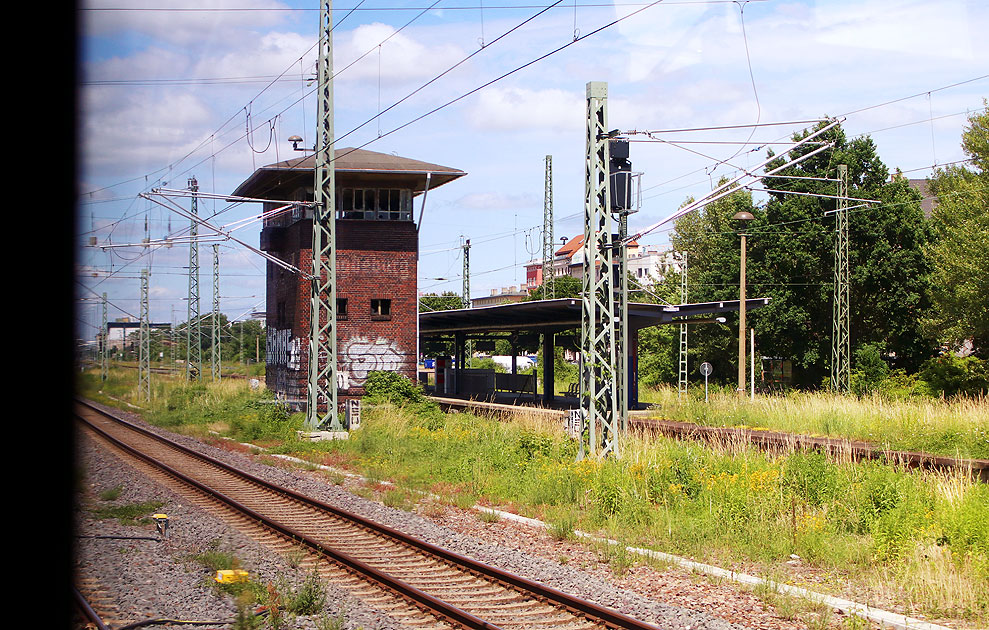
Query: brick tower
[377, 255]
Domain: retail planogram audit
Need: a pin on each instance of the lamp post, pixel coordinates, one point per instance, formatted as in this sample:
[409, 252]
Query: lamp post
[742, 218]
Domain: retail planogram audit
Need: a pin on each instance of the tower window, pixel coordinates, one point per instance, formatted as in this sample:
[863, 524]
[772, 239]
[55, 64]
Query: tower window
[380, 309]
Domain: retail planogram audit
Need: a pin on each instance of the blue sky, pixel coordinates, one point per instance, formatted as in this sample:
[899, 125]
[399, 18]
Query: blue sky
[167, 94]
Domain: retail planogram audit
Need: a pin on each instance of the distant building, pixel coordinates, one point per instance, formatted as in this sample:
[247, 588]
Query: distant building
[507, 295]
[928, 201]
[647, 264]
[377, 246]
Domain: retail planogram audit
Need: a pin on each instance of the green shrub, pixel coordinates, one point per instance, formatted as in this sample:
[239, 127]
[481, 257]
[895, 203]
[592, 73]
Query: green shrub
[392, 387]
[949, 375]
[265, 420]
[810, 476]
[309, 598]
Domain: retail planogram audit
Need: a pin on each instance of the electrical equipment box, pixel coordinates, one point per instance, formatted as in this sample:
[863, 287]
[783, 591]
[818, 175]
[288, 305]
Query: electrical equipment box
[230, 576]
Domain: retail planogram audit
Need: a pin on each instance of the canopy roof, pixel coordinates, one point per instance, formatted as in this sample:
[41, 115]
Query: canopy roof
[551, 316]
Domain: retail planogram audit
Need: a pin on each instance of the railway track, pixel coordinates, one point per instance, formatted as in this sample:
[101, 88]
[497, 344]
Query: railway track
[763, 439]
[421, 584]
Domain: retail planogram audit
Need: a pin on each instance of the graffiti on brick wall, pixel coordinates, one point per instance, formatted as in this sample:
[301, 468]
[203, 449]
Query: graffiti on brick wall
[361, 355]
[283, 349]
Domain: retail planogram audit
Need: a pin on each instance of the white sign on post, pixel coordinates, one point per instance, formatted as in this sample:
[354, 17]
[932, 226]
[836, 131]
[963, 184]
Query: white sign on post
[575, 423]
[706, 370]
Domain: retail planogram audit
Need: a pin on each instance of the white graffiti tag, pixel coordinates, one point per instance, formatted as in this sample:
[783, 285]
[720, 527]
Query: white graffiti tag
[361, 355]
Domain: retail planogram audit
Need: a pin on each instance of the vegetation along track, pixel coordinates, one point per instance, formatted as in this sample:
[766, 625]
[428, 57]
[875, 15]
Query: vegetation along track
[448, 586]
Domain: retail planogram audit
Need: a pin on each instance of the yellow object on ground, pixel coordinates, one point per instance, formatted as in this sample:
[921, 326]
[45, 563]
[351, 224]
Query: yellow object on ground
[230, 576]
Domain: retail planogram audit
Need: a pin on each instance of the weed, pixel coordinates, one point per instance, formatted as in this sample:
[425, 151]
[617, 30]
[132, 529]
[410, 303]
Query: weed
[273, 603]
[334, 622]
[397, 498]
[618, 557]
[854, 622]
[295, 557]
[215, 559]
[246, 619]
[130, 514]
[111, 494]
[336, 478]
[309, 598]
[562, 529]
[489, 516]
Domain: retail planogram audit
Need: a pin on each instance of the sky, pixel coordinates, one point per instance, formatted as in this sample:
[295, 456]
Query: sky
[212, 90]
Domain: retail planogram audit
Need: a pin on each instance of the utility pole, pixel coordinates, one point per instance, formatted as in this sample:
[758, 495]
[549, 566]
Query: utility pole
[194, 342]
[840, 337]
[322, 382]
[105, 354]
[743, 218]
[466, 276]
[548, 228]
[466, 299]
[144, 355]
[215, 344]
[682, 381]
[603, 405]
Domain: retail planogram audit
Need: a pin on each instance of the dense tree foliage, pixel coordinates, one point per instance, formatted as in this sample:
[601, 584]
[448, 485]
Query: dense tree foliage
[447, 301]
[556, 288]
[959, 251]
[790, 259]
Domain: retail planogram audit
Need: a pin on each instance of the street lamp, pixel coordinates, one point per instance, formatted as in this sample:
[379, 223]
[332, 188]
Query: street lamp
[742, 218]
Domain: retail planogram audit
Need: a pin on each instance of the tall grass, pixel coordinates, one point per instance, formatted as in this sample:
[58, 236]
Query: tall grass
[919, 538]
[867, 523]
[956, 428]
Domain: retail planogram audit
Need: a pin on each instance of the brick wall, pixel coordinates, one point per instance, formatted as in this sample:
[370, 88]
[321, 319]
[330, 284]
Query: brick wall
[376, 260]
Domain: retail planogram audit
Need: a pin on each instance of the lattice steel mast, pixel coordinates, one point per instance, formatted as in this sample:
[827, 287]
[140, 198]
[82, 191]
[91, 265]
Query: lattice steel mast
[682, 381]
[193, 331]
[548, 228]
[215, 339]
[603, 404]
[321, 409]
[466, 277]
[466, 299]
[144, 355]
[840, 337]
[105, 354]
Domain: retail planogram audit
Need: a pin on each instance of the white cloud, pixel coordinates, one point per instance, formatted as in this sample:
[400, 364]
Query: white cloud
[201, 27]
[516, 109]
[402, 58]
[495, 201]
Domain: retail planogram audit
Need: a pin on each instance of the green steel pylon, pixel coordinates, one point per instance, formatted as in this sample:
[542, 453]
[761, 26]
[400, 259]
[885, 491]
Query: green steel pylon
[144, 355]
[193, 330]
[604, 405]
[840, 337]
[548, 227]
[321, 407]
[105, 348]
[682, 380]
[215, 316]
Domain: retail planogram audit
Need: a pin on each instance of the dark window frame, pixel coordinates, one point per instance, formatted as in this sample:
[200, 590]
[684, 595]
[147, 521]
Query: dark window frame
[380, 309]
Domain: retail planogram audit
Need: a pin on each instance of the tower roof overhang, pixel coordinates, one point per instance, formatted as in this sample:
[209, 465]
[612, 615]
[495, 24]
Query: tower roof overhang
[353, 168]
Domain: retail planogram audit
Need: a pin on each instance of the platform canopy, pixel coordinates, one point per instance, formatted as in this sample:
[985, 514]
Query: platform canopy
[552, 316]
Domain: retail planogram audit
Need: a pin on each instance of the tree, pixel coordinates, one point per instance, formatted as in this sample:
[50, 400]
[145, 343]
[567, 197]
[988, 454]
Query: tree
[556, 288]
[448, 301]
[790, 260]
[888, 272]
[959, 250]
[710, 239]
